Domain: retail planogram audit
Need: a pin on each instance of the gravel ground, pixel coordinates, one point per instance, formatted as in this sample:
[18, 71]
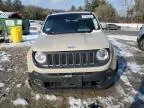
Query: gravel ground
[15, 91]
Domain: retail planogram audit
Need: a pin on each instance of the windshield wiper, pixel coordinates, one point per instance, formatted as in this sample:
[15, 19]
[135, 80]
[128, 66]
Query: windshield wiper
[86, 31]
[51, 32]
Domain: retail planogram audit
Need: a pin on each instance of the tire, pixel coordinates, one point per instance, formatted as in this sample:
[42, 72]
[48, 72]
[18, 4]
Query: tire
[106, 85]
[41, 89]
[141, 44]
[36, 88]
[111, 83]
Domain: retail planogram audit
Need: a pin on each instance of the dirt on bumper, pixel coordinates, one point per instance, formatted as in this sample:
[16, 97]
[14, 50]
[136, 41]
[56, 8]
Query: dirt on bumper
[79, 80]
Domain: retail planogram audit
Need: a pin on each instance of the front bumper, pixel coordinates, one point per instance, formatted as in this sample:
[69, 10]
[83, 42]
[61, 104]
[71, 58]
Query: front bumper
[78, 80]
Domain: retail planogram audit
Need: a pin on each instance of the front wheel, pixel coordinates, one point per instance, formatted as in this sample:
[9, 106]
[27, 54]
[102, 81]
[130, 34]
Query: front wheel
[141, 44]
[37, 85]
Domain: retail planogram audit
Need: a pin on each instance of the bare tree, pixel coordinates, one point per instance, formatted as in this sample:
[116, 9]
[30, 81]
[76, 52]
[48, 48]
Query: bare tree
[139, 10]
[106, 13]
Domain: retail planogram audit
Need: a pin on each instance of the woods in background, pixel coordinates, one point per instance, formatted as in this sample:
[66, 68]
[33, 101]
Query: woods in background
[29, 12]
[104, 10]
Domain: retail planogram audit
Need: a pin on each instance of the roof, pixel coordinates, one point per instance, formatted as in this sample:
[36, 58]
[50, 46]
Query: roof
[6, 14]
[13, 15]
[77, 12]
[1, 12]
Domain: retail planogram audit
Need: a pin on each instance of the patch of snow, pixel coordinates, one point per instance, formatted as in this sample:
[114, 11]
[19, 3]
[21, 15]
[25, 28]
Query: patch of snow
[4, 57]
[27, 84]
[28, 40]
[105, 101]
[108, 102]
[134, 67]
[122, 49]
[127, 97]
[9, 70]
[126, 54]
[76, 103]
[31, 37]
[20, 101]
[37, 97]
[129, 26]
[125, 79]
[7, 89]
[1, 68]
[131, 99]
[18, 85]
[2, 85]
[51, 97]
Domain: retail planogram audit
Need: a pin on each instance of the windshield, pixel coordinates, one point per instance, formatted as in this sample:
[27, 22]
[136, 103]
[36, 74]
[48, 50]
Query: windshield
[70, 23]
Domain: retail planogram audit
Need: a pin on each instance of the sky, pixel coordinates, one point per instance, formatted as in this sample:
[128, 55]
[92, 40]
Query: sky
[55, 4]
[66, 4]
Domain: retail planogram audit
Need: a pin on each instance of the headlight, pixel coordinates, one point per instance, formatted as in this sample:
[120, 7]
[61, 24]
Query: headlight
[40, 57]
[102, 54]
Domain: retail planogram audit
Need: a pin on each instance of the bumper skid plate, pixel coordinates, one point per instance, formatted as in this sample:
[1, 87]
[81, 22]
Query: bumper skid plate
[81, 80]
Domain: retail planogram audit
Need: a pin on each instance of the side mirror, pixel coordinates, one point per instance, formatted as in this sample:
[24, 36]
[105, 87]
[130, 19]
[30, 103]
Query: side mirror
[103, 27]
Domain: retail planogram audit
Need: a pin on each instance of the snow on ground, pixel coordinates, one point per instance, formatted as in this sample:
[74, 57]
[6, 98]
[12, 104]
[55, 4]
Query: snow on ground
[125, 79]
[1, 68]
[4, 57]
[20, 101]
[51, 97]
[109, 101]
[122, 49]
[126, 97]
[37, 97]
[128, 51]
[75, 103]
[100, 102]
[134, 67]
[31, 37]
[129, 26]
[18, 85]
[28, 40]
[1, 85]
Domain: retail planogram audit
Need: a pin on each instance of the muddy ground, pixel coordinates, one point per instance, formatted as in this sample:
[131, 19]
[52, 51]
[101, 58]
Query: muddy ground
[128, 91]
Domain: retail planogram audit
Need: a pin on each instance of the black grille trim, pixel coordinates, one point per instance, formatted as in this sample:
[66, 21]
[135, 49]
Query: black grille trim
[71, 59]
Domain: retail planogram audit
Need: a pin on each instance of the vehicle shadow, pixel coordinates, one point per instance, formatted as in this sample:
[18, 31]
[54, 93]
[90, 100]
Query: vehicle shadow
[122, 65]
[139, 98]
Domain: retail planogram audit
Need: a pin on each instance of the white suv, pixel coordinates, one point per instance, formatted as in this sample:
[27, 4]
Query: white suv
[72, 52]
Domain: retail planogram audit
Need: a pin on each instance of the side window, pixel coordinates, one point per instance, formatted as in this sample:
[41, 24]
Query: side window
[47, 25]
[96, 24]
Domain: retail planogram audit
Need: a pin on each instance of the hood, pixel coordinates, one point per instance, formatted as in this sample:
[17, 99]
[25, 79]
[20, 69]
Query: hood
[71, 42]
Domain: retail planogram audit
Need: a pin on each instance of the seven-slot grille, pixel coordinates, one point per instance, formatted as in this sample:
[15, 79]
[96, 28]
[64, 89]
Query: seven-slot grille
[74, 59]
